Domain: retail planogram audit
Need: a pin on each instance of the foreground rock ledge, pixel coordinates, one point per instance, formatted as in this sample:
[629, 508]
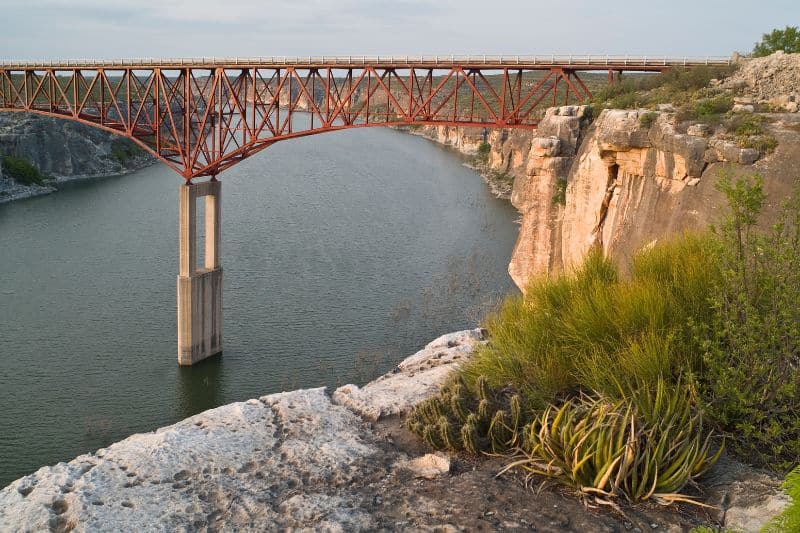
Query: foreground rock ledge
[303, 460]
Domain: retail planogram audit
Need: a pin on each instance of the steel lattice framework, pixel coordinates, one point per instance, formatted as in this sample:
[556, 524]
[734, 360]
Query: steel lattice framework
[202, 116]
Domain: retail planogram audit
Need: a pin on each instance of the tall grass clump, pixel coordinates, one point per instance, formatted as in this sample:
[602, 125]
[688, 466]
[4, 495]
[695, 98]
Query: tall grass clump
[589, 329]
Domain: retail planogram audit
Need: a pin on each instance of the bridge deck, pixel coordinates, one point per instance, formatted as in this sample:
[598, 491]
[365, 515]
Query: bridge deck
[538, 62]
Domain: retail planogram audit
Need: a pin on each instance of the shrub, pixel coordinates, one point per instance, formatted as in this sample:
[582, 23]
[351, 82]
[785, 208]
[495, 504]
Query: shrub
[750, 375]
[648, 446]
[765, 144]
[560, 196]
[745, 124]
[482, 155]
[502, 177]
[22, 170]
[646, 119]
[708, 109]
[787, 40]
[123, 150]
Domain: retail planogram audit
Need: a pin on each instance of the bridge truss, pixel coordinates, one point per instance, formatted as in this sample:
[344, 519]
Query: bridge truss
[203, 116]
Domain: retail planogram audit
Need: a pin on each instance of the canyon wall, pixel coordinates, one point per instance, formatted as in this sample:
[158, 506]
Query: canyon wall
[62, 150]
[620, 182]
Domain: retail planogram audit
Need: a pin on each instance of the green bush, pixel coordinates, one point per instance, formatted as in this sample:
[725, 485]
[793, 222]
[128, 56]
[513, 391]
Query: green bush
[124, 150]
[787, 40]
[482, 155]
[745, 124]
[647, 447]
[750, 377]
[707, 109]
[560, 196]
[765, 144]
[22, 170]
[646, 119]
[750, 132]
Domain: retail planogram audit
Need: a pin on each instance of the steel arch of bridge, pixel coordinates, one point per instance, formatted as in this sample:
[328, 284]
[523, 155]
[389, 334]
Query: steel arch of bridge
[202, 116]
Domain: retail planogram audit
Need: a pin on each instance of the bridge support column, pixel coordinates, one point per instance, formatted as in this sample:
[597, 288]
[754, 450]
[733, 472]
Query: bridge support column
[199, 289]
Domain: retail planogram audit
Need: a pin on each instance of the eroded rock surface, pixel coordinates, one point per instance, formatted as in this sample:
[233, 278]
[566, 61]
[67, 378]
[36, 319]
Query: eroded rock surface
[242, 464]
[415, 379]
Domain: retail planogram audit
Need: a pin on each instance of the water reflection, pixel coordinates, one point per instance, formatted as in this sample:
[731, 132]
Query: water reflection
[200, 386]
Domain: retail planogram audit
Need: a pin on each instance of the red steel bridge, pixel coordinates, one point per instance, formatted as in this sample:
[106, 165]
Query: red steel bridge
[201, 116]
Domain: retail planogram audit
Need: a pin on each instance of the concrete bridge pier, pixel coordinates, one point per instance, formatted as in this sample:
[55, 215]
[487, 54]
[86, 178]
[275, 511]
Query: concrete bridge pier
[199, 289]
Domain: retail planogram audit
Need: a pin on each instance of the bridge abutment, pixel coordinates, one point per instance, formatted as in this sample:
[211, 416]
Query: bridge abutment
[199, 289]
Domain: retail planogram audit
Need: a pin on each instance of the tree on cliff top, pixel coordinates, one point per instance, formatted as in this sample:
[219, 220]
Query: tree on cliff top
[787, 40]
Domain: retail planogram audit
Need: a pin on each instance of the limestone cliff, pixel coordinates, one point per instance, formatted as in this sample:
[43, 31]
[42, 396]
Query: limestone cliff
[62, 150]
[620, 182]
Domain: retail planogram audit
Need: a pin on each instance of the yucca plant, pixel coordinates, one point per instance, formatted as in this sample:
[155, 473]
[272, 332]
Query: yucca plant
[647, 447]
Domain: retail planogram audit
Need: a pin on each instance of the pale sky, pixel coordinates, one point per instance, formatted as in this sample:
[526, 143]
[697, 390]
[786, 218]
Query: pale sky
[61, 29]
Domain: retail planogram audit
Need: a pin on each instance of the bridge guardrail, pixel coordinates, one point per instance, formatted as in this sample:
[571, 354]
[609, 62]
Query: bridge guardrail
[577, 60]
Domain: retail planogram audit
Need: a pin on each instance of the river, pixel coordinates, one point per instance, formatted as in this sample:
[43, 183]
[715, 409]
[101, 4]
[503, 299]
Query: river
[342, 254]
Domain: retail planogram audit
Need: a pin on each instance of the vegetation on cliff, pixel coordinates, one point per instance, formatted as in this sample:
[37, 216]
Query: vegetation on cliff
[786, 40]
[22, 170]
[677, 86]
[705, 323]
[123, 150]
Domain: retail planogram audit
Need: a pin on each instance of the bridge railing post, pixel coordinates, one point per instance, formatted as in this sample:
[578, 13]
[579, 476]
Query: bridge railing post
[199, 289]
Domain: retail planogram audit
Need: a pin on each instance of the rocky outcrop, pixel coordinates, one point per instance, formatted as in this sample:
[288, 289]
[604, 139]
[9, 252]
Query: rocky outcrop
[62, 150]
[307, 461]
[285, 460]
[772, 80]
[635, 180]
[415, 379]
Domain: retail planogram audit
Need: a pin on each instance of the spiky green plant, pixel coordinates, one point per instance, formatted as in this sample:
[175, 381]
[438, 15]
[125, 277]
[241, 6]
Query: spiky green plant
[479, 420]
[648, 447]
[789, 520]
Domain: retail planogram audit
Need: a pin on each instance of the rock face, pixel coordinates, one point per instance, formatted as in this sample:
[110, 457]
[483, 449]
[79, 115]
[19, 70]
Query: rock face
[624, 181]
[629, 183]
[61, 149]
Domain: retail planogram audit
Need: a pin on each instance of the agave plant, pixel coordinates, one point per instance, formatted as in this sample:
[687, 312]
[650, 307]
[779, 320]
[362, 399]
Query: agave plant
[647, 447]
